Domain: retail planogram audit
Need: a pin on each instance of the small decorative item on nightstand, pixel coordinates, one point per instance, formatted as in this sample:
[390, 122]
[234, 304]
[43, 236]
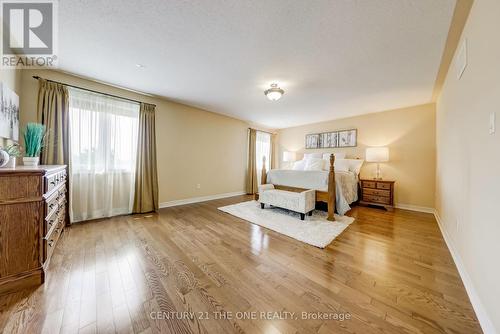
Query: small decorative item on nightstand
[378, 192]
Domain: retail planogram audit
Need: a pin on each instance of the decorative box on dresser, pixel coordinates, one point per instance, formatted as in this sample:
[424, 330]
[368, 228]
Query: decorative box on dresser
[377, 192]
[33, 213]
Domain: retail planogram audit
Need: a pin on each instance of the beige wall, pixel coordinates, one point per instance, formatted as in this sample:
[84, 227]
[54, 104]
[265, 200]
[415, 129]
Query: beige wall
[468, 162]
[194, 146]
[12, 79]
[410, 135]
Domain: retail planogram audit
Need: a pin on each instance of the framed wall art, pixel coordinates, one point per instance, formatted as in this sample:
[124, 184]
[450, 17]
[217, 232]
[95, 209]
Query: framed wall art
[342, 138]
[9, 113]
[312, 141]
[348, 138]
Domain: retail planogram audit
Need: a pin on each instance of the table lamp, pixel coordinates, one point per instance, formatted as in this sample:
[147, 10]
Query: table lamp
[289, 157]
[378, 155]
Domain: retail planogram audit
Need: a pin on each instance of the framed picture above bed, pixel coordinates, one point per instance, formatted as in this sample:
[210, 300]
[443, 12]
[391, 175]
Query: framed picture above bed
[341, 138]
[348, 138]
[312, 141]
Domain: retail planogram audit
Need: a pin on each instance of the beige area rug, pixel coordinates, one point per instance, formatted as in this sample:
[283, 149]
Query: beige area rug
[315, 230]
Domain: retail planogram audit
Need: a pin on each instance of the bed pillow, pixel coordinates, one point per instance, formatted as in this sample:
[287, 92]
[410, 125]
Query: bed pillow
[355, 165]
[338, 155]
[341, 165]
[315, 164]
[299, 165]
[308, 156]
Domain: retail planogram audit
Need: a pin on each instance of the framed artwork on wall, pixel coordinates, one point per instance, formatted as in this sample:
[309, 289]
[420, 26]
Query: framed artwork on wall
[328, 139]
[9, 113]
[334, 142]
[343, 138]
[312, 141]
[347, 138]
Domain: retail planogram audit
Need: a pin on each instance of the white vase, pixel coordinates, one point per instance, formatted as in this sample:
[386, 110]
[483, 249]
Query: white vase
[31, 161]
[11, 163]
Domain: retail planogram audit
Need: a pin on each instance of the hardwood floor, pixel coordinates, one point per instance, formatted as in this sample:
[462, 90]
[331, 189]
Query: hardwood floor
[389, 272]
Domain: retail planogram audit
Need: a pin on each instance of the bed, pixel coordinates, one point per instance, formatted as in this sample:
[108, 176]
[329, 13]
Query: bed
[336, 188]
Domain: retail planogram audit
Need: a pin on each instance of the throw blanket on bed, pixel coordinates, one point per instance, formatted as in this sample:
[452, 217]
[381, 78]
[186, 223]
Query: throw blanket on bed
[346, 184]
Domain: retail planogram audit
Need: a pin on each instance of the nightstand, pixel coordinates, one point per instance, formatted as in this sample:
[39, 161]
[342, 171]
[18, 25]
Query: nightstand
[378, 192]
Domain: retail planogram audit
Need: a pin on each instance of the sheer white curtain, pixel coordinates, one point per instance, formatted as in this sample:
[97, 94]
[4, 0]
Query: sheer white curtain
[103, 137]
[262, 148]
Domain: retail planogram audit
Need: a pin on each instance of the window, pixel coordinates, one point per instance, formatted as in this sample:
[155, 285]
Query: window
[103, 136]
[262, 149]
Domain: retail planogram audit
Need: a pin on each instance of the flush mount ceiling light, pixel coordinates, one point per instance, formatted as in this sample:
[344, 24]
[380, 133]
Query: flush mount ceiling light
[139, 66]
[274, 93]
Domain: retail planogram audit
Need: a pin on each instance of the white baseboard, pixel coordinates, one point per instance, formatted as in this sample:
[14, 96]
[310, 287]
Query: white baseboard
[481, 314]
[414, 208]
[200, 199]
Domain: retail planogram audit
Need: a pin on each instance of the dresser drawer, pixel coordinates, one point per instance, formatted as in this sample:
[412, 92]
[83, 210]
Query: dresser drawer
[383, 185]
[376, 199]
[50, 241]
[49, 222]
[368, 184]
[53, 219]
[52, 181]
[61, 194]
[51, 204]
[376, 192]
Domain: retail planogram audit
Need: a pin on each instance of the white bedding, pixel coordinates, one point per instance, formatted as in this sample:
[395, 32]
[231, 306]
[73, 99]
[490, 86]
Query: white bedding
[346, 184]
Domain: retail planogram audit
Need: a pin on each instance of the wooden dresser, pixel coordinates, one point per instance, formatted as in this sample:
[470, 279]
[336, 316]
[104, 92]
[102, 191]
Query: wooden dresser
[33, 213]
[377, 192]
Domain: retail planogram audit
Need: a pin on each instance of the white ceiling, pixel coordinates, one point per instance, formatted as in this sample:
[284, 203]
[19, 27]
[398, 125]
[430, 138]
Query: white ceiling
[334, 58]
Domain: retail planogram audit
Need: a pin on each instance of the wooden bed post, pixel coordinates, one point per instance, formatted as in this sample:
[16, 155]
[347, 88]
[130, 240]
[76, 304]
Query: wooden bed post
[331, 190]
[263, 175]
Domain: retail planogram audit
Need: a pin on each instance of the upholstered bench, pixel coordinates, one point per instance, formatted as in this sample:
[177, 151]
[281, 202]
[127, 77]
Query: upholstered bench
[302, 202]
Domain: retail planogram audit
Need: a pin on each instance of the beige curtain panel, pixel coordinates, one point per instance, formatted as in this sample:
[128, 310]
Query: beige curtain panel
[146, 175]
[272, 163]
[52, 111]
[252, 185]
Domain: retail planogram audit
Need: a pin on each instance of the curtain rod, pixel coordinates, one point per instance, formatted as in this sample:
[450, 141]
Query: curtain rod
[271, 133]
[90, 90]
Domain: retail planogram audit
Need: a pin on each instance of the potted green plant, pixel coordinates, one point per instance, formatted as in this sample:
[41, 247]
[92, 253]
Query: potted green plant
[14, 151]
[34, 135]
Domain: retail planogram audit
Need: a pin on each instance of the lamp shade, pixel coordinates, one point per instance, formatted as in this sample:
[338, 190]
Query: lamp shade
[289, 156]
[377, 154]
